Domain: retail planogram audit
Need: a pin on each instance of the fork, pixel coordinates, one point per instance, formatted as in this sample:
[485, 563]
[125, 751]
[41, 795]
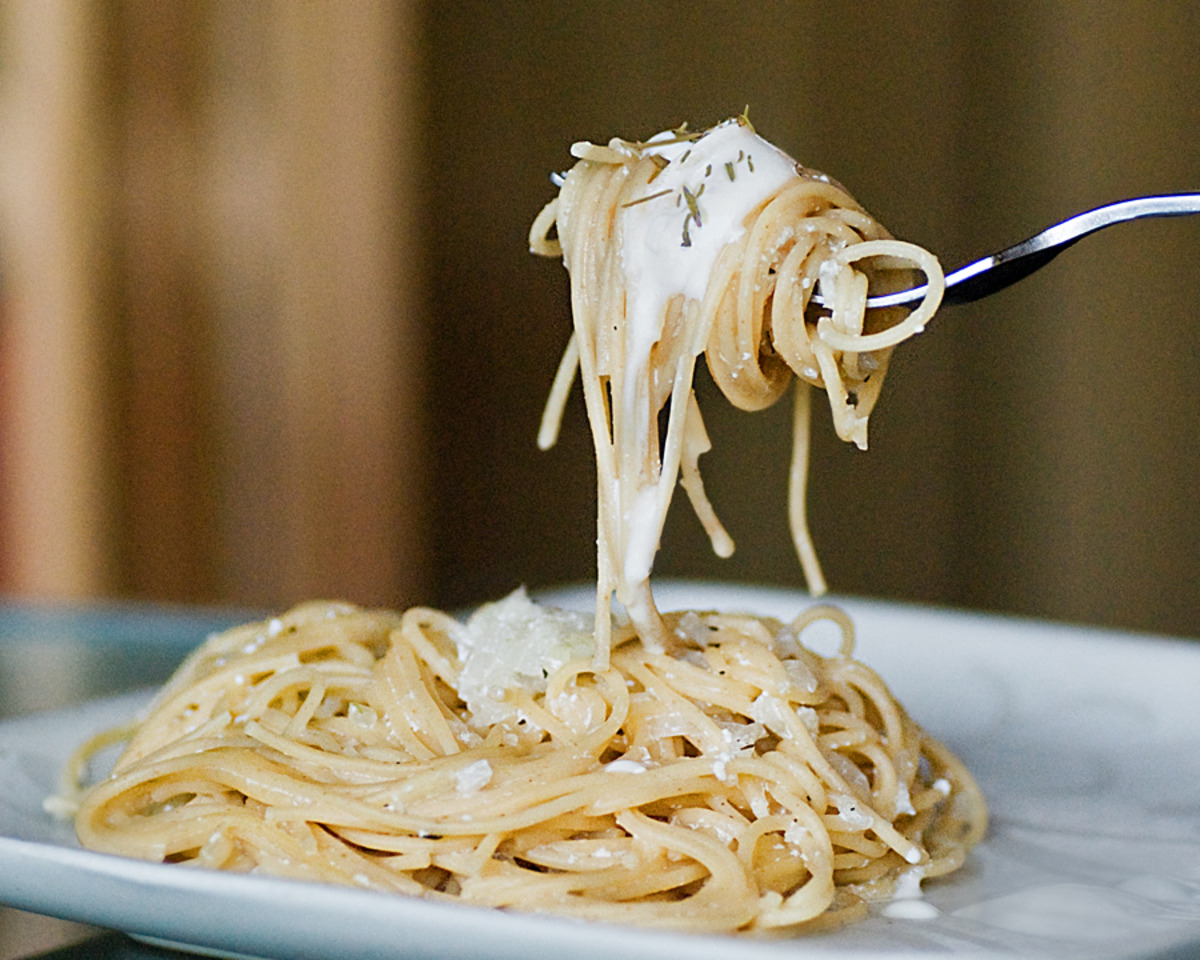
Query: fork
[999, 270]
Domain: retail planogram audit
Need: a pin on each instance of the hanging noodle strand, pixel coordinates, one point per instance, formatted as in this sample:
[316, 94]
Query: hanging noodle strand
[712, 245]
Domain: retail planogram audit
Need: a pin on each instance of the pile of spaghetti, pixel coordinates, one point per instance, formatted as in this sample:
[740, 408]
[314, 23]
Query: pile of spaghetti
[735, 780]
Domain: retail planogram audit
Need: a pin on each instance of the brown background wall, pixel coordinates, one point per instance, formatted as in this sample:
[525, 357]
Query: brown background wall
[1033, 453]
[270, 327]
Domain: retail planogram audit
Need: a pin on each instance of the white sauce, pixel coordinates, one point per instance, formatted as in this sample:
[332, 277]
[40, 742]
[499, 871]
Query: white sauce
[908, 901]
[641, 520]
[624, 766]
[910, 910]
[657, 263]
[669, 246]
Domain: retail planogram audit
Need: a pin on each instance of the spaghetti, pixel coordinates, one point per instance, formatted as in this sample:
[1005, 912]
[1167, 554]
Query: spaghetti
[713, 244]
[735, 780]
[702, 771]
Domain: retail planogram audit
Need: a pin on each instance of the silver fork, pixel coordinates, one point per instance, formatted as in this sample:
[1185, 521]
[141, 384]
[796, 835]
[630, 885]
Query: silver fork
[999, 270]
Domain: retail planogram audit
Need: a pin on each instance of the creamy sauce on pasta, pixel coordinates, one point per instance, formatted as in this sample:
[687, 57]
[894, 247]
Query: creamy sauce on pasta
[693, 770]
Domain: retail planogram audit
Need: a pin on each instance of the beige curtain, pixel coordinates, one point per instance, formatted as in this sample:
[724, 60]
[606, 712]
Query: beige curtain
[212, 301]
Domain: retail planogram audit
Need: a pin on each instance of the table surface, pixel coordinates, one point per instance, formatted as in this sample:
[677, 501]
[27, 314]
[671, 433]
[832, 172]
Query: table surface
[52, 656]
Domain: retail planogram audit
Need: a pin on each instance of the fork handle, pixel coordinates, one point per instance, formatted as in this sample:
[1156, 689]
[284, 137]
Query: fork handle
[1002, 269]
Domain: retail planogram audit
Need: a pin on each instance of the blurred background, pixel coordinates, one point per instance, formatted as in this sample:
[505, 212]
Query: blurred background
[269, 328]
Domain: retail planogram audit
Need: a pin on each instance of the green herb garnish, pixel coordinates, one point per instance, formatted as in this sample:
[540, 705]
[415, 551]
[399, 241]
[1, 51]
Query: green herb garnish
[652, 196]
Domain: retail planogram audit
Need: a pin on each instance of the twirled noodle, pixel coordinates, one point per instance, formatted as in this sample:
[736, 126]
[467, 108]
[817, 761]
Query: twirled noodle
[731, 780]
[712, 243]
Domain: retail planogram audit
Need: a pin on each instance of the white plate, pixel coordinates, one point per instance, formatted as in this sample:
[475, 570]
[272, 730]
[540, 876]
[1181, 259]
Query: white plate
[1086, 742]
